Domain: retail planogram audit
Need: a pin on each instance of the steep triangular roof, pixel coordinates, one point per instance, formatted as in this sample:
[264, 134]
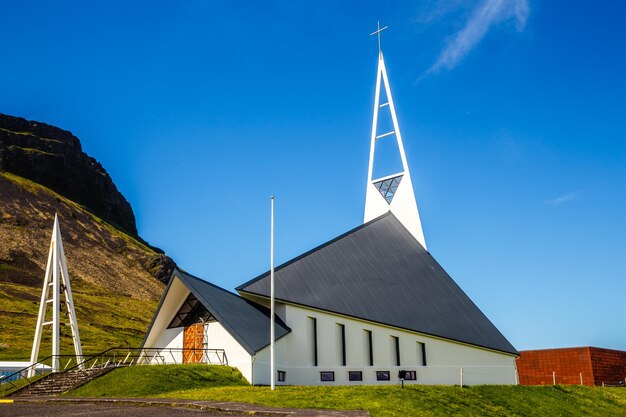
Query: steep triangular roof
[379, 272]
[246, 321]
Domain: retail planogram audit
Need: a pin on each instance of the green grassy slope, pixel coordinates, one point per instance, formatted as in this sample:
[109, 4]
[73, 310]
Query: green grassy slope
[104, 320]
[215, 383]
[150, 381]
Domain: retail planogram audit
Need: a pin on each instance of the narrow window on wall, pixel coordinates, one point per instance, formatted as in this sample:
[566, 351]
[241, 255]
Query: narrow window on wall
[369, 347]
[395, 343]
[421, 354]
[313, 322]
[341, 338]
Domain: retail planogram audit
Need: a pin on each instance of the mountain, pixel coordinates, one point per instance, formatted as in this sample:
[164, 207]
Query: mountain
[117, 278]
[54, 158]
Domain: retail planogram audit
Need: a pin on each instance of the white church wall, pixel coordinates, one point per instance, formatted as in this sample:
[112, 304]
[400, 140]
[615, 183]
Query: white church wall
[444, 358]
[217, 337]
[167, 340]
[261, 363]
[174, 298]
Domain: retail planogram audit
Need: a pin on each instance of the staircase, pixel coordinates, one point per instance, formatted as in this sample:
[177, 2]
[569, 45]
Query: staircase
[94, 366]
[58, 383]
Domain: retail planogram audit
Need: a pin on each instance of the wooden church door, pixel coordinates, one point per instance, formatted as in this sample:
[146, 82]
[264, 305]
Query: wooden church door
[193, 339]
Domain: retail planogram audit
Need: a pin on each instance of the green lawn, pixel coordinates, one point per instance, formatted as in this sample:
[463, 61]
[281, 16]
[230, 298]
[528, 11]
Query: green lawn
[218, 383]
[151, 381]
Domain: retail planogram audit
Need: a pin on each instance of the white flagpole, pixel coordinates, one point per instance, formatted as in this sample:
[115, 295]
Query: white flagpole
[272, 324]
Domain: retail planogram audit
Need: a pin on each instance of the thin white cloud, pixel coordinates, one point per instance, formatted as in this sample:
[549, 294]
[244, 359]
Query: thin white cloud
[486, 14]
[562, 199]
[430, 11]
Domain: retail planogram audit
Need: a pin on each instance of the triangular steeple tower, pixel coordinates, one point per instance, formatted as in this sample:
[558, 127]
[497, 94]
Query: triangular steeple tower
[393, 191]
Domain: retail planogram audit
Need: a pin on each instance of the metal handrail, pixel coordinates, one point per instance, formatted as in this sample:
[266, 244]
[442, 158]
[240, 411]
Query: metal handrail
[116, 357]
[30, 373]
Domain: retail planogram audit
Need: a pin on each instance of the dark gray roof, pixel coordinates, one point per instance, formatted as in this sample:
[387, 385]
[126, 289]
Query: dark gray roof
[379, 272]
[246, 321]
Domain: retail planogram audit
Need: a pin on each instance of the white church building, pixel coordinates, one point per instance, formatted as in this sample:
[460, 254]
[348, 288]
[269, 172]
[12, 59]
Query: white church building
[358, 309]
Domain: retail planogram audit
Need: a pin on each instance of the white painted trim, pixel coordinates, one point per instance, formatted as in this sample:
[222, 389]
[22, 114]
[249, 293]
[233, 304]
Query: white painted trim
[177, 293]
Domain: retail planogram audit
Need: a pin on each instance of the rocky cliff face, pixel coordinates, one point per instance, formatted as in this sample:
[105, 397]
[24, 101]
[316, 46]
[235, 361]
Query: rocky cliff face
[54, 158]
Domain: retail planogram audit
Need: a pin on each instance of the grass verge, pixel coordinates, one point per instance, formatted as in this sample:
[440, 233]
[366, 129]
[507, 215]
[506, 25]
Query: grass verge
[218, 383]
[150, 381]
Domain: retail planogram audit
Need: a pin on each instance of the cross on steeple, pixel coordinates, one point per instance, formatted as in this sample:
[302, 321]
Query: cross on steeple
[392, 192]
[378, 33]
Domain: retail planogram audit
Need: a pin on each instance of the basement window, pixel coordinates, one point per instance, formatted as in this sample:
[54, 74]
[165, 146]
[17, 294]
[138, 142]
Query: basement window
[327, 376]
[355, 376]
[382, 376]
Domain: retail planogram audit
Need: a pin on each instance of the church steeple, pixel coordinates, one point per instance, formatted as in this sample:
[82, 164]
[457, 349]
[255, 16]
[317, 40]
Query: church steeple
[394, 190]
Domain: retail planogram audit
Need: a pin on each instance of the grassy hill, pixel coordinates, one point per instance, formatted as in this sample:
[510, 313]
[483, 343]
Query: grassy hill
[218, 383]
[115, 292]
[146, 381]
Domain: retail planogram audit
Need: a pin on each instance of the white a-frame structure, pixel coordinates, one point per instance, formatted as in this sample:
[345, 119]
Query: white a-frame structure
[55, 285]
[393, 192]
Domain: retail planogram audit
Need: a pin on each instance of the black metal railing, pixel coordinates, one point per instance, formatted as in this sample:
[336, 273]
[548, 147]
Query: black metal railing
[110, 358]
[24, 377]
[156, 356]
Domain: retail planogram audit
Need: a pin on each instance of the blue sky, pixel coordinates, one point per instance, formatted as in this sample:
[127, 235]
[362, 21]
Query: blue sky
[513, 114]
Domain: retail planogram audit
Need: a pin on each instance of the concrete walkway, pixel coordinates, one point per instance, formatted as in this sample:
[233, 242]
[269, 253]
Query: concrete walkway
[211, 407]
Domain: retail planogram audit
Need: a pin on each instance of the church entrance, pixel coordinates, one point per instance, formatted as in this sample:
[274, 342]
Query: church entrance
[193, 339]
[192, 317]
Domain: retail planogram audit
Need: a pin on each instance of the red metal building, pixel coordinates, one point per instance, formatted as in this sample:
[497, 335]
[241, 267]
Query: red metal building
[579, 365]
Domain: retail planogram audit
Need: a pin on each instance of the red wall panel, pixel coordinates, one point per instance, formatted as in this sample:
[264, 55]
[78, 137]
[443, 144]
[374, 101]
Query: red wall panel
[568, 365]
